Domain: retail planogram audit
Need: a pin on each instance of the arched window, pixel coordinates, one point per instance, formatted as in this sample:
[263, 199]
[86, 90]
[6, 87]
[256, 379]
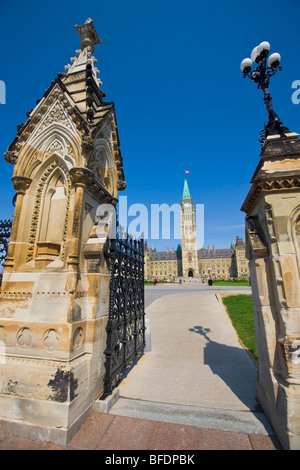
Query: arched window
[57, 213]
[52, 217]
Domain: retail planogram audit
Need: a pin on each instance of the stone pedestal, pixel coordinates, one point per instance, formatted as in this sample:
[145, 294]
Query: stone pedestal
[273, 249]
[54, 295]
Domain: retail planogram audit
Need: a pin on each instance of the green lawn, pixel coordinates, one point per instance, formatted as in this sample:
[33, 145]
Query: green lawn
[240, 311]
[231, 283]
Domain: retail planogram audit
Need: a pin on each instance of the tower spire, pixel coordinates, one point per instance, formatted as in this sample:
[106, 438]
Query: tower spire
[89, 39]
[186, 192]
[82, 76]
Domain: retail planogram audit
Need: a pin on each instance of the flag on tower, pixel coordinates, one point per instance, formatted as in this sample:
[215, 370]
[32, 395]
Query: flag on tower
[186, 171]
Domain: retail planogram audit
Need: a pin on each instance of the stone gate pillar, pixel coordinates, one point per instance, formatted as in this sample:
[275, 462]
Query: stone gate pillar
[55, 290]
[273, 249]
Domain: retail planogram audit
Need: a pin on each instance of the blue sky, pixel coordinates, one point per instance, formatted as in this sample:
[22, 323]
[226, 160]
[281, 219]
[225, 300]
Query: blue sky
[172, 69]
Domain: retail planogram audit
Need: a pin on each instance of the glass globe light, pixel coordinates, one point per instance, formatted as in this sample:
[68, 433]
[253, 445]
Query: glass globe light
[246, 65]
[274, 60]
[263, 47]
[254, 54]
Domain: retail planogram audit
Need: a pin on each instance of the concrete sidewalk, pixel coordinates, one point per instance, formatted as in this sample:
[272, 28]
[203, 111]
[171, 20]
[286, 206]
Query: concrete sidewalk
[195, 388]
[196, 373]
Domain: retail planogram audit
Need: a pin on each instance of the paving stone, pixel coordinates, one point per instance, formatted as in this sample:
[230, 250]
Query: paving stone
[92, 431]
[128, 434]
[260, 442]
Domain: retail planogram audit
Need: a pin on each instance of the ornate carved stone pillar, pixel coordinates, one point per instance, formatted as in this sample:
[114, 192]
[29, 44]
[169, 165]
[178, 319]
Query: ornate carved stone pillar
[21, 184]
[273, 209]
[54, 296]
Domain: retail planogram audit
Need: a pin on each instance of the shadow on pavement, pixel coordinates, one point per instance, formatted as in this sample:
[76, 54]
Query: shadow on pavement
[232, 365]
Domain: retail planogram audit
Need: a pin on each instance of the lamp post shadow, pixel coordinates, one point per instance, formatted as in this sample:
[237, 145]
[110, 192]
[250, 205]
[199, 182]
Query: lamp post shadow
[233, 366]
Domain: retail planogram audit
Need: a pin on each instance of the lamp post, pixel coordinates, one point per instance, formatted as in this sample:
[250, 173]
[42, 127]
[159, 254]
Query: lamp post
[209, 273]
[265, 69]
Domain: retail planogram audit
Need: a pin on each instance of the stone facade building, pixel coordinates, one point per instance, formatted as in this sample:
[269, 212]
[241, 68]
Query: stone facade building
[189, 262]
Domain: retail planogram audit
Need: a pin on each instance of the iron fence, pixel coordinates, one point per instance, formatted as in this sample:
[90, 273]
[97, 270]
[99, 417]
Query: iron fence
[126, 322]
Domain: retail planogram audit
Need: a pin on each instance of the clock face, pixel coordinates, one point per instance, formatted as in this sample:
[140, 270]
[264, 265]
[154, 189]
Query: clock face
[186, 204]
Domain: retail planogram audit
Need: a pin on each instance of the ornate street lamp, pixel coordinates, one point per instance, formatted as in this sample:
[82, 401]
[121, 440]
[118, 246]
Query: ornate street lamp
[265, 69]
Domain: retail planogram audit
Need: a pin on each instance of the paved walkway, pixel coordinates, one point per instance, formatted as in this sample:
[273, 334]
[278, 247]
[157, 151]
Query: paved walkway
[193, 389]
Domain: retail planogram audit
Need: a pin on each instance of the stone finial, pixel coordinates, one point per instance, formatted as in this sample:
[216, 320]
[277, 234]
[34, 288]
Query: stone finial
[88, 35]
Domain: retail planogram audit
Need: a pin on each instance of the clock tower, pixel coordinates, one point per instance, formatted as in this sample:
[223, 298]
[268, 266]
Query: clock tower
[188, 235]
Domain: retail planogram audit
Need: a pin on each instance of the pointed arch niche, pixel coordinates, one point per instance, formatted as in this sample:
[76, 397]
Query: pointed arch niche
[103, 166]
[55, 139]
[50, 211]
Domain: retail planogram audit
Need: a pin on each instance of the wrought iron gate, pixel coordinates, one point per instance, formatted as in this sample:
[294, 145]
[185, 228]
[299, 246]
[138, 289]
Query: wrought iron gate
[126, 321]
[5, 230]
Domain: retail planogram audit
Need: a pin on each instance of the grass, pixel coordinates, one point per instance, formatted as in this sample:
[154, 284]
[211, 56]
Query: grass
[150, 283]
[240, 311]
[243, 282]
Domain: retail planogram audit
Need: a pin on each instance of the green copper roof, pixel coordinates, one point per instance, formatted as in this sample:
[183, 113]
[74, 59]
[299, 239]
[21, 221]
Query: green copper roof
[186, 192]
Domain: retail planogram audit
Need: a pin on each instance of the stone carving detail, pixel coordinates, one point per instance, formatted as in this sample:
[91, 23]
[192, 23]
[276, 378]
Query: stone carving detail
[86, 144]
[270, 222]
[21, 183]
[69, 184]
[37, 156]
[93, 186]
[15, 295]
[287, 183]
[122, 185]
[257, 238]
[57, 147]
[11, 157]
[24, 338]
[51, 340]
[284, 183]
[56, 114]
[78, 338]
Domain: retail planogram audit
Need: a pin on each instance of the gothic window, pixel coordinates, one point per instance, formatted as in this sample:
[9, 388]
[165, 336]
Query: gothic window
[57, 213]
[52, 216]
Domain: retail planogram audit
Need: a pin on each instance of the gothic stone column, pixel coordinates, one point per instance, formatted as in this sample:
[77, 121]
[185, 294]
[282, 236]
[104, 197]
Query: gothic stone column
[52, 323]
[21, 184]
[273, 214]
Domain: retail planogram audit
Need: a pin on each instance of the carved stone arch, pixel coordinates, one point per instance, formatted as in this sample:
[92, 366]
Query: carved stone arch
[54, 159]
[59, 139]
[50, 183]
[33, 157]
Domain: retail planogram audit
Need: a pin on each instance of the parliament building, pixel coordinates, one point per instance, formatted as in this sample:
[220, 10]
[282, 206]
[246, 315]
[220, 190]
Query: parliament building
[189, 262]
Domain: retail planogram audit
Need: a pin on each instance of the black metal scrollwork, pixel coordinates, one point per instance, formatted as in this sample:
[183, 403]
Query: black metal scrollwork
[5, 230]
[126, 321]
